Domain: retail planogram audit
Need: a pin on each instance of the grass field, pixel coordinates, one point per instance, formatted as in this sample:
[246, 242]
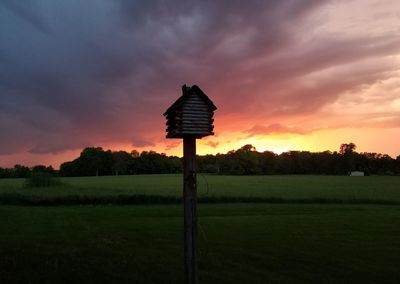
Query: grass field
[386, 188]
[239, 242]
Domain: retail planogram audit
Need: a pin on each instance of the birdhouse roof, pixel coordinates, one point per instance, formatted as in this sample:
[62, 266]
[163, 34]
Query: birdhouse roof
[188, 91]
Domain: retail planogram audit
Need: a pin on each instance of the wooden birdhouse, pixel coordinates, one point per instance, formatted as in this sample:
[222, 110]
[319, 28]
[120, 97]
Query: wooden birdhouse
[191, 115]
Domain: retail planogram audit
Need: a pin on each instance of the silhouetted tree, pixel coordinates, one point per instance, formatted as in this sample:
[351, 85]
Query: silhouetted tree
[267, 162]
[243, 161]
[121, 162]
[397, 165]
[70, 169]
[349, 156]
[21, 171]
[207, 164]
[347, 148]
[95, 161]
[135, 153]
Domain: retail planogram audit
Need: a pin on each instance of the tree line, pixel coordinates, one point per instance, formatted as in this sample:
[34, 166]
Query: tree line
[248, 161]
[20, 171]
[95, 161]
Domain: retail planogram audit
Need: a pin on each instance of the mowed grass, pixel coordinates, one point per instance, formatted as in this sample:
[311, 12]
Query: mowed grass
[239, 243]
[385, 188]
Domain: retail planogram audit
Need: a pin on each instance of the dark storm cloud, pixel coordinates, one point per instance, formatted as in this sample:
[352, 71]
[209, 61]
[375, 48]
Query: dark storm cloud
[26, 11]
[77, 73]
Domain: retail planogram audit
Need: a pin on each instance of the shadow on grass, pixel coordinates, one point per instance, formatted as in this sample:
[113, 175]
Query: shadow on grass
[33, 200]
[42, 179]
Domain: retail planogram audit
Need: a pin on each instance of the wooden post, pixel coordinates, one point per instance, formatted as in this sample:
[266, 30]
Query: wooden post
[190, 117]
[190, 210]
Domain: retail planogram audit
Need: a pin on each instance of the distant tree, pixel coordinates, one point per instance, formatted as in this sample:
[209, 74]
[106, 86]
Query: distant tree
[174, 164]
[70, 169]
[2, 172]
[347, 148]
[7, 173]
[207, 164]
[243, 161]
[135, 153]
[267, 162]
[247, 148]
[44, 169]
[348, 156]
[152, 162]
[386, 165]
[324, 163]
[21, 171]
[95, 161]
[121, 162]
[39, 168]
[285, 164]
[397, 165]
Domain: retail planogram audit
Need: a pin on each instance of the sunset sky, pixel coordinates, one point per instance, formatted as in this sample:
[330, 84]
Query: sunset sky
[285, 75]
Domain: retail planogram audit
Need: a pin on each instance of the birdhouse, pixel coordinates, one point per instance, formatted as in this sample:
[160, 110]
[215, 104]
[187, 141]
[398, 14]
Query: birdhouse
[191, 115]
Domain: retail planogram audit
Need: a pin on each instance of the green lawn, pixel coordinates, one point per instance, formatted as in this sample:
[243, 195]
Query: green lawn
[288, 187]
[239, 243]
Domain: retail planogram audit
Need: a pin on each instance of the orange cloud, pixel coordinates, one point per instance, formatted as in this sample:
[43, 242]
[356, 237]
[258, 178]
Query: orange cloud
[275, 128]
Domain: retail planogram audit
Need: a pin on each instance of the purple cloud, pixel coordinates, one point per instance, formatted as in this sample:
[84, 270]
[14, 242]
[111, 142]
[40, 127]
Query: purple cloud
[75, 73]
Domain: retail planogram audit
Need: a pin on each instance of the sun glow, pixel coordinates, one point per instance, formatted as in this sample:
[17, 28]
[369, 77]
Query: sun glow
[279, 150]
